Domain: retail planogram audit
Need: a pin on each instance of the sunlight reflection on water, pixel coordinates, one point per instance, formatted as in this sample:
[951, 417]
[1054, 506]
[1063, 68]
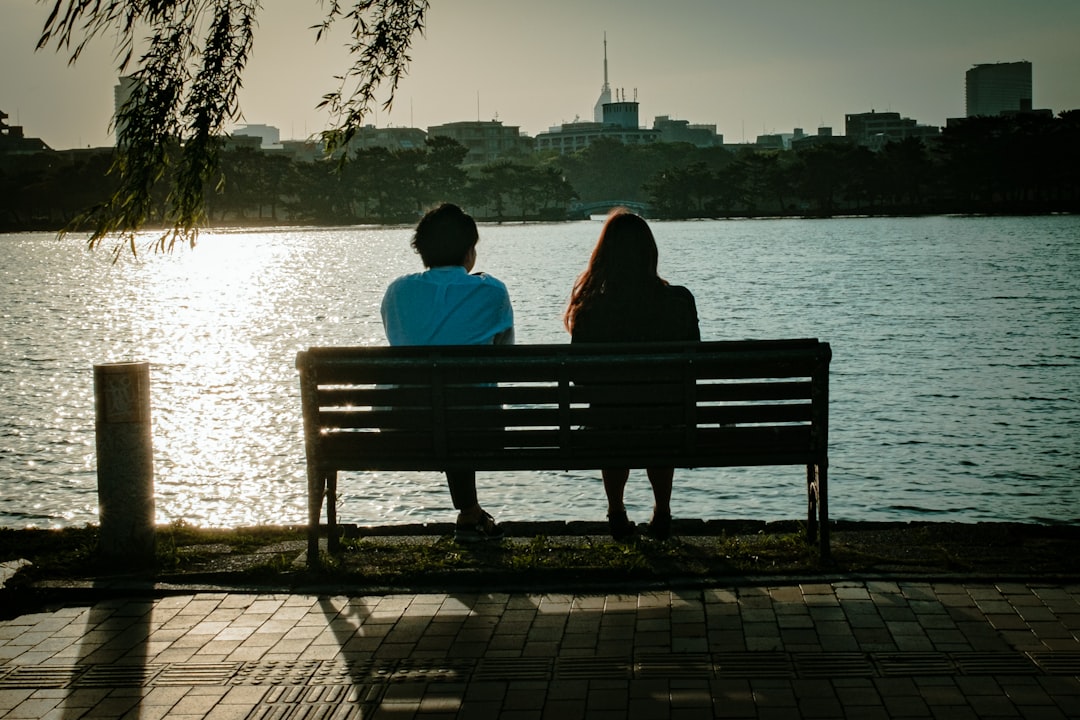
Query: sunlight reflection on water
[956, 358]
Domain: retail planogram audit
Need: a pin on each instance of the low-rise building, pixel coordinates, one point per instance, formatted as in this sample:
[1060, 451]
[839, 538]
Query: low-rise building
[673, 131]
[824, 136]
[391, 138]
[875, 130]
[303, 150]
[486, 141]
[620, 124]
[269, 135]
[13, 141]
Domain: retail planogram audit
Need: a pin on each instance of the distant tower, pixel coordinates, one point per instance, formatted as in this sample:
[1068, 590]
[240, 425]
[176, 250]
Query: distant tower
[605, 91]
[998, 87]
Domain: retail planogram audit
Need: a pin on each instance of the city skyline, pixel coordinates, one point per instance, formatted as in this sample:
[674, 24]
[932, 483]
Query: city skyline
[763, 69]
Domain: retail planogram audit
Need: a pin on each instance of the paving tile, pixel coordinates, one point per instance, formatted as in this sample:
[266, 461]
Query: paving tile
[820, 707]
[882, 587]
[845, 592]
[33, 708]
[988, 706]
[861, 696]
[918, 590]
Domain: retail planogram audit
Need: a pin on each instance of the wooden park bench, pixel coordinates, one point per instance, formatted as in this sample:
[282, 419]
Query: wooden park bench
[565, 407]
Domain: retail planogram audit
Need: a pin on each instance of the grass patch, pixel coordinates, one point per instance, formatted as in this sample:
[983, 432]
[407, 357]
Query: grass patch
[71, 553]
[541, 558]
[181, 546]
[274, 555]
[268, 552]
[52, 552]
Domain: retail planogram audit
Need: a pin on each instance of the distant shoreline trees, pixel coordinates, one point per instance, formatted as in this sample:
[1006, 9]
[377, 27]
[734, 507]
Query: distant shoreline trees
[1009, 165]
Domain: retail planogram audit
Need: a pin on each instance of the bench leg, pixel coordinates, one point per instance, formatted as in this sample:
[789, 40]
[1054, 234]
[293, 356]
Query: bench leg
[316, 492]
[333, 542]
[823, 510]
[817, 520]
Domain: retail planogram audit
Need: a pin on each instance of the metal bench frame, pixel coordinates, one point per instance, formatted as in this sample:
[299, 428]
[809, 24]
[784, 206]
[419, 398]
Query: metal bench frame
[565, 407]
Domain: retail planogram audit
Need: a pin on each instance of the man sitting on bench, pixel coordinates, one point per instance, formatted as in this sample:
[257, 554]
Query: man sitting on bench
[446, 305]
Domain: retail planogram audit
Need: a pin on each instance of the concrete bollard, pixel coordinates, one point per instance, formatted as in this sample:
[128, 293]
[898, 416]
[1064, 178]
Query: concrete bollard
[125, 462]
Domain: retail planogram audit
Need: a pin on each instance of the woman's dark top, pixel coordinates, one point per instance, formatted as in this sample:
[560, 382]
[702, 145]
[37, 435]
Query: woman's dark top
[667, 313]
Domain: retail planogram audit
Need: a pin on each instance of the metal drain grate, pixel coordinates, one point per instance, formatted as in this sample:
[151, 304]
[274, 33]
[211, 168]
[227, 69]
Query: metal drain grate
[514, 669]
[690, 665]
[825, 665]
[905, 664]
[753, 664]
[1062, 663]
[594, 668]
[118, 675]
[41, 676]
[994, 663]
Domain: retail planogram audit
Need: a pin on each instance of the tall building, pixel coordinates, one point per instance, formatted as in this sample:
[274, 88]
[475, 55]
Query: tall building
[121, 94]
[996, 88]
[605, 91]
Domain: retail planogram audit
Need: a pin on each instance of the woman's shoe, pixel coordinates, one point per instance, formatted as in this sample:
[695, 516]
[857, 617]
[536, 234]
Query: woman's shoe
[483, 530]
[660, 527]
[620, 526]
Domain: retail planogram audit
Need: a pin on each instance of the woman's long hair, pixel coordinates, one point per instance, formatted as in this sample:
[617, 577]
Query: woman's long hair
[623, 264]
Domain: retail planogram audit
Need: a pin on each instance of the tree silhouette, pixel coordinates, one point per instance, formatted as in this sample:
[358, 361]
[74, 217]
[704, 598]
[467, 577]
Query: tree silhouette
[443, 175]
[907, 172]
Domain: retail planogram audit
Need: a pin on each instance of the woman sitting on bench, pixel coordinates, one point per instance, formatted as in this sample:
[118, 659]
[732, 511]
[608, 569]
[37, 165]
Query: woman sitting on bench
[621, 298]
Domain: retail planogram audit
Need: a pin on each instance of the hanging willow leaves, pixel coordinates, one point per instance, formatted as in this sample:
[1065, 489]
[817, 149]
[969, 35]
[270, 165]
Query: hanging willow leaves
[184, 89]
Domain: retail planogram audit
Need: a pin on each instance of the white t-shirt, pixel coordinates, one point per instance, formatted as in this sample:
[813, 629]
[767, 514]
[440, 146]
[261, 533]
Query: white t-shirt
[446, 306]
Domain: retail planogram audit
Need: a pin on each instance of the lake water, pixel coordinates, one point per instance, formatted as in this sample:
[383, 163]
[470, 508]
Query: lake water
[955, 376]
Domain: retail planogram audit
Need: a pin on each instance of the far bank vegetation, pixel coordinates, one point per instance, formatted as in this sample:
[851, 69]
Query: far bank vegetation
[985, 165]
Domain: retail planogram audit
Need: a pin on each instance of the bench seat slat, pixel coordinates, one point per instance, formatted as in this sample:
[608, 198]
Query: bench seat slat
[620, 416]
[490, 450]
[391, 396]
[551, 460]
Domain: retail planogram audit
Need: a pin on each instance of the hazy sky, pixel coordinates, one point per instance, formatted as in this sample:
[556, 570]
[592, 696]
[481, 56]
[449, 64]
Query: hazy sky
[749, 67]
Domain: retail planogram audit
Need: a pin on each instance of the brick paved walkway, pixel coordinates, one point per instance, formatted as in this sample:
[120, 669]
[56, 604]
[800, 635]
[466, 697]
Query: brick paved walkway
[843, 650]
